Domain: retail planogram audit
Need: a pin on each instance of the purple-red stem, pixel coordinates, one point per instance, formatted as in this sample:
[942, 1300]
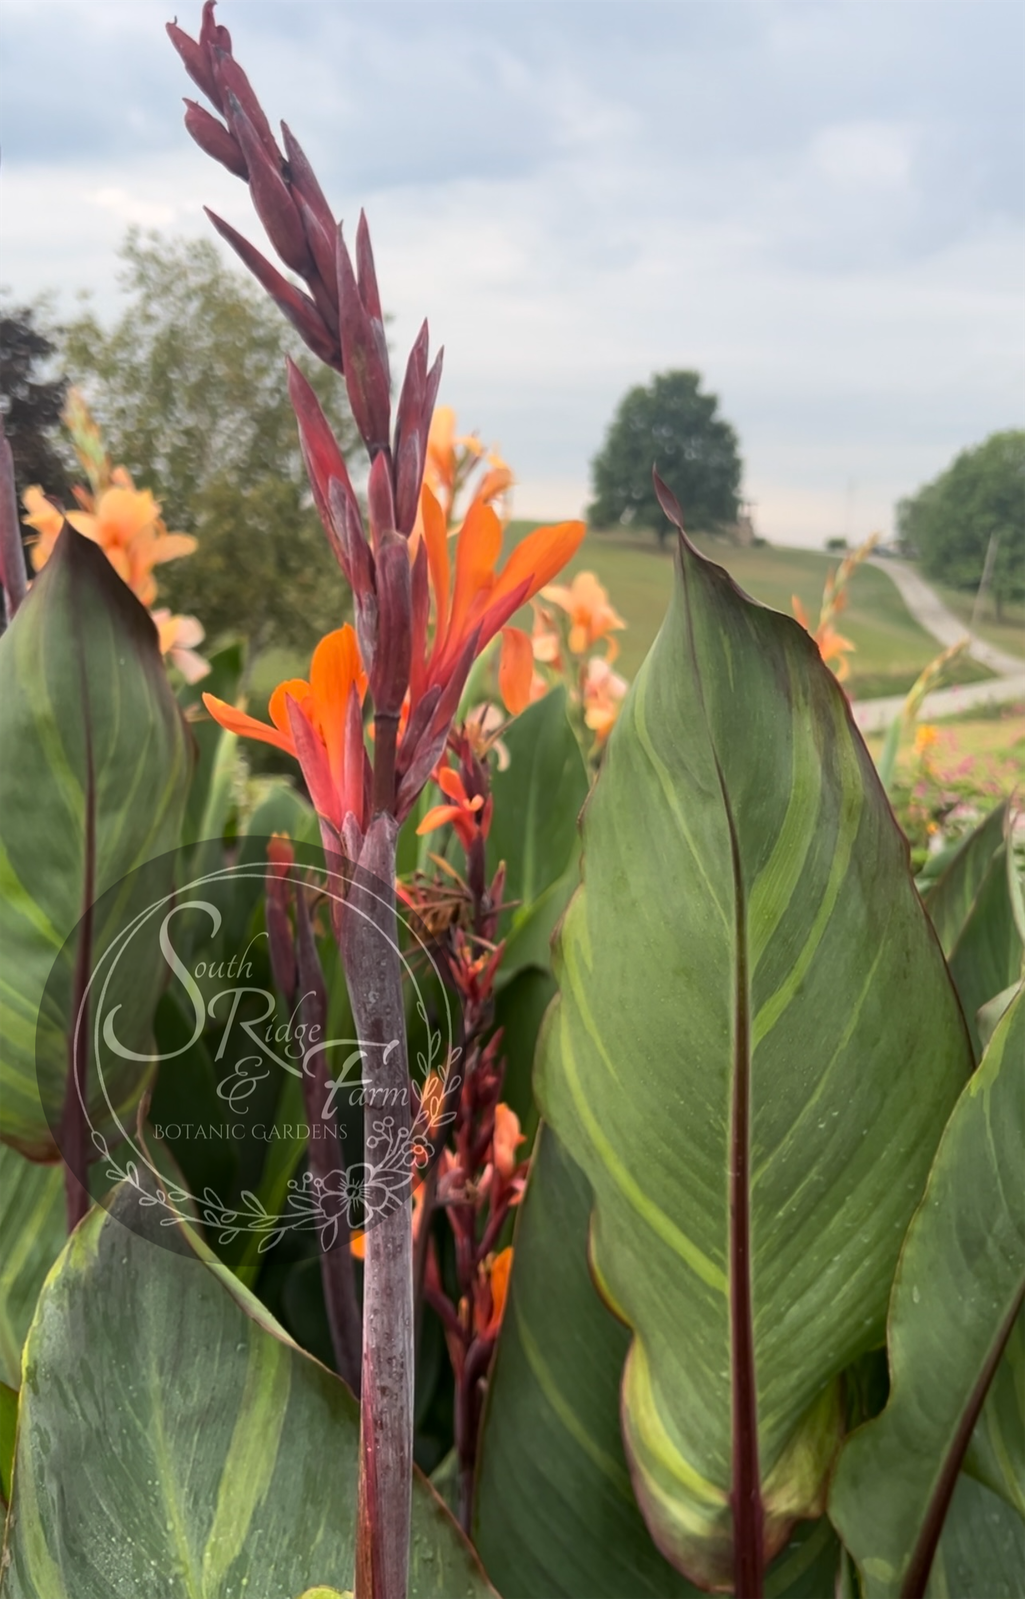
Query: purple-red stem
[74, 1118]
[374, 973]
[12, 557]
[325, 1160]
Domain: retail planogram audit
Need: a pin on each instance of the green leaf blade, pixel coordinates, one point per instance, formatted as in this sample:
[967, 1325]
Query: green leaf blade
[94, 786]
[956, 1298]
[173, 1439]
[743, 873]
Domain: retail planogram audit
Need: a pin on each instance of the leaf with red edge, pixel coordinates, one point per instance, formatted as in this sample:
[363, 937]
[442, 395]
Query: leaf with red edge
[93, 784]
[753, 1055]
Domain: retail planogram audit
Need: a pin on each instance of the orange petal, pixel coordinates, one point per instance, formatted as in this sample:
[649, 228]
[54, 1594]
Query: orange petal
[335, 668]
[479, 546]
[436, 540]
[539, 557]
[169, 546]
[437, 816]
[500, 1285]
[237, 721]
[515, 669]
[451, 783]
[299, 690]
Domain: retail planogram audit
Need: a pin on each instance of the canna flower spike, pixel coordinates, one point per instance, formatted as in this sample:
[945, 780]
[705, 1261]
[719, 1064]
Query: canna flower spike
[400, 578]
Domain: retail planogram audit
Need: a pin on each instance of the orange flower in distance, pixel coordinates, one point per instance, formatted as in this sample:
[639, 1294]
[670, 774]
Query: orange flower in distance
[491, 1295]
[178, 636]
[124, 521]
[833, 647]
[506, 1140]
[451, 460]
[468, 816]
[475, 601]
[320, 723]
[604, 690]
[586, 603]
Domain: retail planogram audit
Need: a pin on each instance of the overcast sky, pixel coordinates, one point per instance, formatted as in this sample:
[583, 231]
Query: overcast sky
[819, 206]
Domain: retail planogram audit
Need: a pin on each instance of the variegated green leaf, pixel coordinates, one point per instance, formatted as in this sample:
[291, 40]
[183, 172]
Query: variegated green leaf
[555, 1510]
[982, 1550]
[173, 1441]
[958, 1293]
[537, 800]
[972, 907]
[754, 1051]
[33, 1227]
[93, 784]
[8, 1435]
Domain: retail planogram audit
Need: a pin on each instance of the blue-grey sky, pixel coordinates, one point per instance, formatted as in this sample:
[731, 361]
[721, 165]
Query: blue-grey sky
[821, 206]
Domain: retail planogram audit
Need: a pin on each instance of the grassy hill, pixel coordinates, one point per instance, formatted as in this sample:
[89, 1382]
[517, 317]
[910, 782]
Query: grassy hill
[891, 647]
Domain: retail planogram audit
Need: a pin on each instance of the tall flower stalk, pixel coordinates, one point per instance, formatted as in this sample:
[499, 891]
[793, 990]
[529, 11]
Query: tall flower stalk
[421, 619]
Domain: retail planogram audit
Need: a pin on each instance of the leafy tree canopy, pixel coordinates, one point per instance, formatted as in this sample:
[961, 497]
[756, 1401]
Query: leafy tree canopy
[949, 522]
[670, 424]
[32, 392]
[189, 387]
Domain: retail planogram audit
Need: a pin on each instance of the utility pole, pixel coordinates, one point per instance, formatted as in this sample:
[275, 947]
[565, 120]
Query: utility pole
[985, 579]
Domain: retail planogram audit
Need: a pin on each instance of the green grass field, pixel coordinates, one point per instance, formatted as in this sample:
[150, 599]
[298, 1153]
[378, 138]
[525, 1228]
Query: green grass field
[891, 648]
[993, 740]
[1008, 634]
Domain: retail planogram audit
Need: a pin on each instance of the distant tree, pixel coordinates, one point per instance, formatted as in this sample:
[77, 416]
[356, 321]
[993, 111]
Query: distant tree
[948, 524]
[32, 391]
[672, 425]
[189, 387]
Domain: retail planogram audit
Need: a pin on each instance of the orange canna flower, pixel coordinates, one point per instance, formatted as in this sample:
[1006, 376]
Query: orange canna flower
[506, 1140]
[178, 636]
[545, 641]
[586, 602]
[451, 460]
[604, 691]
[126, 524]
[926, 736]
[320, 723]
[469, 816]
[833, 647]
[123, 521]
[475, 601]
[492, 1293]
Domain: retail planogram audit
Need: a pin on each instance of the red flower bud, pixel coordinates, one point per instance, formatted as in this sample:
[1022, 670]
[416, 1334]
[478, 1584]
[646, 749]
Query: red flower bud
[270, 194]
[232, 82]
[298, 307]
[197, 61]
[213, 137]
[366, 373]
[389, 676]
[380, 504]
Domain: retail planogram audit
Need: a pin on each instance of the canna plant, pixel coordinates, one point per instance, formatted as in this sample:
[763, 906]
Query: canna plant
[716, 1284]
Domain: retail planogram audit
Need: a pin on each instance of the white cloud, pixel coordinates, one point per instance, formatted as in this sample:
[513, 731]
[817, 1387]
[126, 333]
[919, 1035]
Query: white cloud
[864, 155]
[133, 211]
[792, 199]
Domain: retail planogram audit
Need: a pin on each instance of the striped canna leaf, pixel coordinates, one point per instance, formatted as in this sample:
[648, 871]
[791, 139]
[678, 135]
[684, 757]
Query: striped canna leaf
[753, 1055]
[93, 784]
[954, 1326]
[173, 1441]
